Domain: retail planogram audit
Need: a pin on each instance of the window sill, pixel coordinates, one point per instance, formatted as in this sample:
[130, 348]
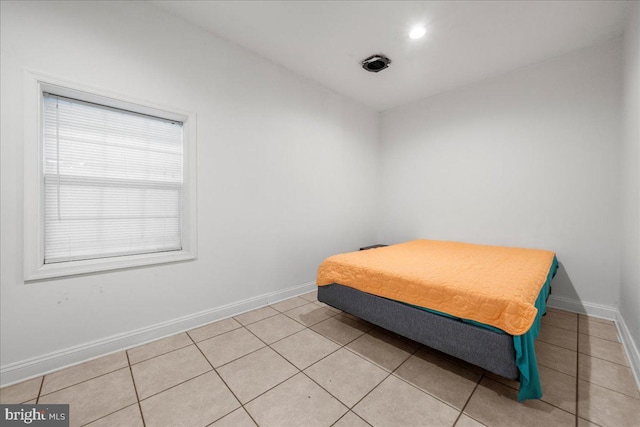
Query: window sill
[72, 268]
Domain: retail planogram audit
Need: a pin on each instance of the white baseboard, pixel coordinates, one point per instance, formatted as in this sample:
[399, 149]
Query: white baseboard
[40, 365]
[629, 346]
[604, 312]
[575, 306]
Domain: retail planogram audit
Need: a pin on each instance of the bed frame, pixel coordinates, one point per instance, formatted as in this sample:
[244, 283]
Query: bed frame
[487, 349]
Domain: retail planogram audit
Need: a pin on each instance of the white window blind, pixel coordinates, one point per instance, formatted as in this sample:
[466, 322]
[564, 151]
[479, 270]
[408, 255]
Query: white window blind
[113, 181]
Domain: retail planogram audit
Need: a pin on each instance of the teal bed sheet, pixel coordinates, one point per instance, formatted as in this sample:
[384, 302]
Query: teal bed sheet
[530, 387]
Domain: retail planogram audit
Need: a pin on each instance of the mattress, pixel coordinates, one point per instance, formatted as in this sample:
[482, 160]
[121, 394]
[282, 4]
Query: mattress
[492, 285]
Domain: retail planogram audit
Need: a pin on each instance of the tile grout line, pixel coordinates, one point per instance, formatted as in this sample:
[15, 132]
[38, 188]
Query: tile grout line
[135, 389]
[40, 389]
[266, 346]
[175, 385]
[550, 343]
[540, 399]
[607, 388]
[213, 369]
[309, 326]
[601, 338]
[469, 399]
[111, 413]
[213, 336]
[424, 391]
[390, 373]
[300, 371]
[251, 323]
[159, 354]
[81, 382]
[269, 346]
[606, 360]
[292, 308]
[281, 382]
[580, 352]
[340, 346]
[589, 421]
[346, 413]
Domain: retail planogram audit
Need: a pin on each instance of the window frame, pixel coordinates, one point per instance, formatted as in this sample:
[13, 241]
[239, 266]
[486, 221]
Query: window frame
[34, 216]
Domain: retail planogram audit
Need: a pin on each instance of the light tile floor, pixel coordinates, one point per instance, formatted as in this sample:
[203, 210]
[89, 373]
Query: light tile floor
[302, 363]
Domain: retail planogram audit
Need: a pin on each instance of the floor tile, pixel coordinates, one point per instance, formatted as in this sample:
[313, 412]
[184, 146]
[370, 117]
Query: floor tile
[595, 328]
[21, 392]
[275, 328]
[561, 319]
[296, 402]
[439, 377]
[494, 404]
[238, 418]
[342, 329]
[558, 389]
[559, 336]
[159, 347]
[84, 371]
[160, 373]
[557, 310]
[289, 304]
[606, 407]
[584, 423]
[396, 403]
[382, 349]
[256, 315]
[310, 314]
[600, 348]
[213, 329]
[346, 376]
[127, 417]
[467, 421]
[607, 374]
[197, 402]
[468, 366]
[596, 319]
[514, 384]
[310, 296]
[327, 306]
[558, 358]
[252, 375]
[351, 420]
[228, 347]
[95, 398]
[305, 348]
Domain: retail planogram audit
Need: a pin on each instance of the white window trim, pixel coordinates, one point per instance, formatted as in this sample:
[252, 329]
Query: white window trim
[34, 267]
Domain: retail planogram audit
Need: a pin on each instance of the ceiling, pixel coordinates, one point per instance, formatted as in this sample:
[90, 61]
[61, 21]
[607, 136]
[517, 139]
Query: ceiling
[466, 41]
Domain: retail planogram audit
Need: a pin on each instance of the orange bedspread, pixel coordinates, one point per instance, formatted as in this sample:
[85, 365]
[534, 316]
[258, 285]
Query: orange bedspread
[494, 285]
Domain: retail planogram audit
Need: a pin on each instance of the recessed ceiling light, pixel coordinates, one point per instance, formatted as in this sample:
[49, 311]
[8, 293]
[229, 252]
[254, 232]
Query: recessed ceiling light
[417, 32]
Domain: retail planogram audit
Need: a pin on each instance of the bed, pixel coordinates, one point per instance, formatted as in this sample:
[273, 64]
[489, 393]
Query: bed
[479, 303]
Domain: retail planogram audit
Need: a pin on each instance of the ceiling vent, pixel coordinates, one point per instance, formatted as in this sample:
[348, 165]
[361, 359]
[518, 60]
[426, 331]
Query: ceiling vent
[376, 63]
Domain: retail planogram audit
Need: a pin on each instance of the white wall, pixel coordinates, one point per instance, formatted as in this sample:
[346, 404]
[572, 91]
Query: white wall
[630, 284]
[285, 170]
[528, 159]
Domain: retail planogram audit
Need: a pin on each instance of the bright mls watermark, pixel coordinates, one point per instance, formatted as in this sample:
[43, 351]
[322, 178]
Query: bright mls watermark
[35, 415]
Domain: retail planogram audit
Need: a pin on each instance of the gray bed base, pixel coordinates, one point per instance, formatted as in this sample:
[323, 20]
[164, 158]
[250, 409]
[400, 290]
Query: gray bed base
[482, 347]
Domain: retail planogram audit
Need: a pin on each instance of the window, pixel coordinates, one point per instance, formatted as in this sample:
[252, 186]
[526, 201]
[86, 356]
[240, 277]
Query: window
[113, 185]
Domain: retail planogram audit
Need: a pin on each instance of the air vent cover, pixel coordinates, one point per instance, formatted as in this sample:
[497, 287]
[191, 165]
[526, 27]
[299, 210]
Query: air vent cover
[376, 63]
